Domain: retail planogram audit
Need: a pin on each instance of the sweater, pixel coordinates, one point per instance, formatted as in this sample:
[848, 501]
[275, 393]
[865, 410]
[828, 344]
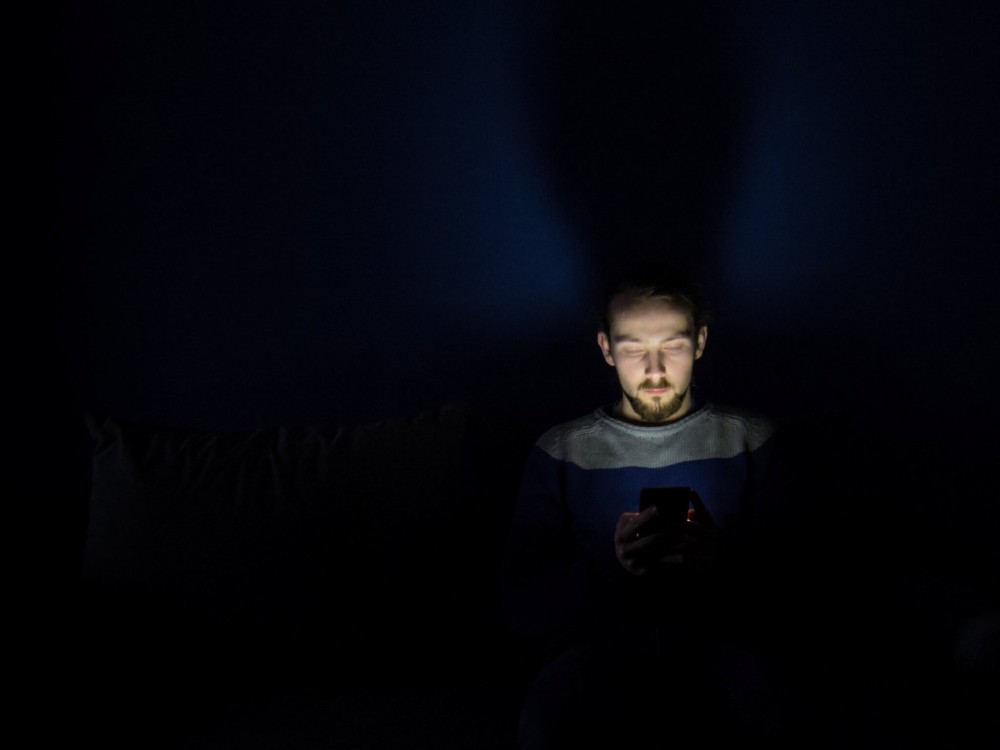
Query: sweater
[581, 475]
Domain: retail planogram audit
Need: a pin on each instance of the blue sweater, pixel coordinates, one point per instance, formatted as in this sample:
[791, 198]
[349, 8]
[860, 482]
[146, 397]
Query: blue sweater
[583, 474]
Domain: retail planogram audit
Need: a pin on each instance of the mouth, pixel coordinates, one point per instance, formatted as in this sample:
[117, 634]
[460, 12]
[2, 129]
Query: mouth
[654, 391]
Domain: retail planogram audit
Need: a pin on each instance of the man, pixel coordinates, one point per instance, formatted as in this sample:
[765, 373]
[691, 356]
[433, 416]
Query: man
[645, 630]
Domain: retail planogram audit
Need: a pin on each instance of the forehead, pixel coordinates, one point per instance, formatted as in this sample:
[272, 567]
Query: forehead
[638, 316]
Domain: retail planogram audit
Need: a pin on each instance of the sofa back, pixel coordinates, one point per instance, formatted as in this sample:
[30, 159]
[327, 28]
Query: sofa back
[327, 549]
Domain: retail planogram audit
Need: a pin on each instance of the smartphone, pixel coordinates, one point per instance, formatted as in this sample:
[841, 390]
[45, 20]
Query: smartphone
[671, 503]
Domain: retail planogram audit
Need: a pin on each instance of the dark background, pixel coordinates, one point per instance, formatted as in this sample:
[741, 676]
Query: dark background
[316, 213]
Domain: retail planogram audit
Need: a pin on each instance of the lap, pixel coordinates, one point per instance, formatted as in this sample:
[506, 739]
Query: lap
[662, 687]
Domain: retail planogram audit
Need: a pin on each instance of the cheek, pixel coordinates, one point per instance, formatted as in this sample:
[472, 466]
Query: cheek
[681, 371]
[630, 375]
[636, 371]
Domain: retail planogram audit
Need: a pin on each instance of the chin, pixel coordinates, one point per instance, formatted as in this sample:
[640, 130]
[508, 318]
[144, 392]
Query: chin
[658, 409]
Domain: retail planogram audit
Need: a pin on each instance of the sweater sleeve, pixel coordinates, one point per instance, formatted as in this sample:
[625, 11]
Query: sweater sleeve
[545, 574]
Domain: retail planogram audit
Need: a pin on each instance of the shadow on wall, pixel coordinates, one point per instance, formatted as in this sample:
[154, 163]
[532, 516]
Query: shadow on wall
[642, 111]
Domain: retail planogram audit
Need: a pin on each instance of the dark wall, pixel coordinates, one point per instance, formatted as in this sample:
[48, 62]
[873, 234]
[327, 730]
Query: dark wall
[310, 212]
[306, 212]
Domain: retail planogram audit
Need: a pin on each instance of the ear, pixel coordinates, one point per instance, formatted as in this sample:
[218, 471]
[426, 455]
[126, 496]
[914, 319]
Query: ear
[700, 342]
[605, 345]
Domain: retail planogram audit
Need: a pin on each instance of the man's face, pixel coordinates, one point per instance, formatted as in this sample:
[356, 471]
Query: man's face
[652, 346]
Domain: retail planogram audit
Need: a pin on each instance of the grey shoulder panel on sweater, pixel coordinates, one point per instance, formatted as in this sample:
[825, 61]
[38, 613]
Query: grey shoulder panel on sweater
[598, 441]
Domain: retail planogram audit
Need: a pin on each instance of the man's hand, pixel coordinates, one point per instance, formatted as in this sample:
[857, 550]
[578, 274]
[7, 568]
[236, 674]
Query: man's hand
[690, 541]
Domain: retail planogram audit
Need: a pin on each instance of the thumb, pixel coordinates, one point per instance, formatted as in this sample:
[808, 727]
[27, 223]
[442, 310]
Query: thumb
[699, 512]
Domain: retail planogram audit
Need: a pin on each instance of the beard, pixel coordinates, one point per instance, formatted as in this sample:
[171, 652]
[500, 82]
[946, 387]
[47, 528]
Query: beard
[660, 410]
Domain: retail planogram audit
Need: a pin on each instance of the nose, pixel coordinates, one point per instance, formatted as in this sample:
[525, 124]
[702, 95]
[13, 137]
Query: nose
[654, 364]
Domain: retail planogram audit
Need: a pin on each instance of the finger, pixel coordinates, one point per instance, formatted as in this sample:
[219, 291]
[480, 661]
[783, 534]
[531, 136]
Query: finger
[636, 547]
[629, 524]
[700, 512]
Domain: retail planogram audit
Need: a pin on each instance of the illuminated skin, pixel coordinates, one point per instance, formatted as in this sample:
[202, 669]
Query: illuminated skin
[653, 349]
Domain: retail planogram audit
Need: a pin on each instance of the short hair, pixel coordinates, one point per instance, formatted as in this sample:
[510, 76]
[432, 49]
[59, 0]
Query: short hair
[656, 280]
